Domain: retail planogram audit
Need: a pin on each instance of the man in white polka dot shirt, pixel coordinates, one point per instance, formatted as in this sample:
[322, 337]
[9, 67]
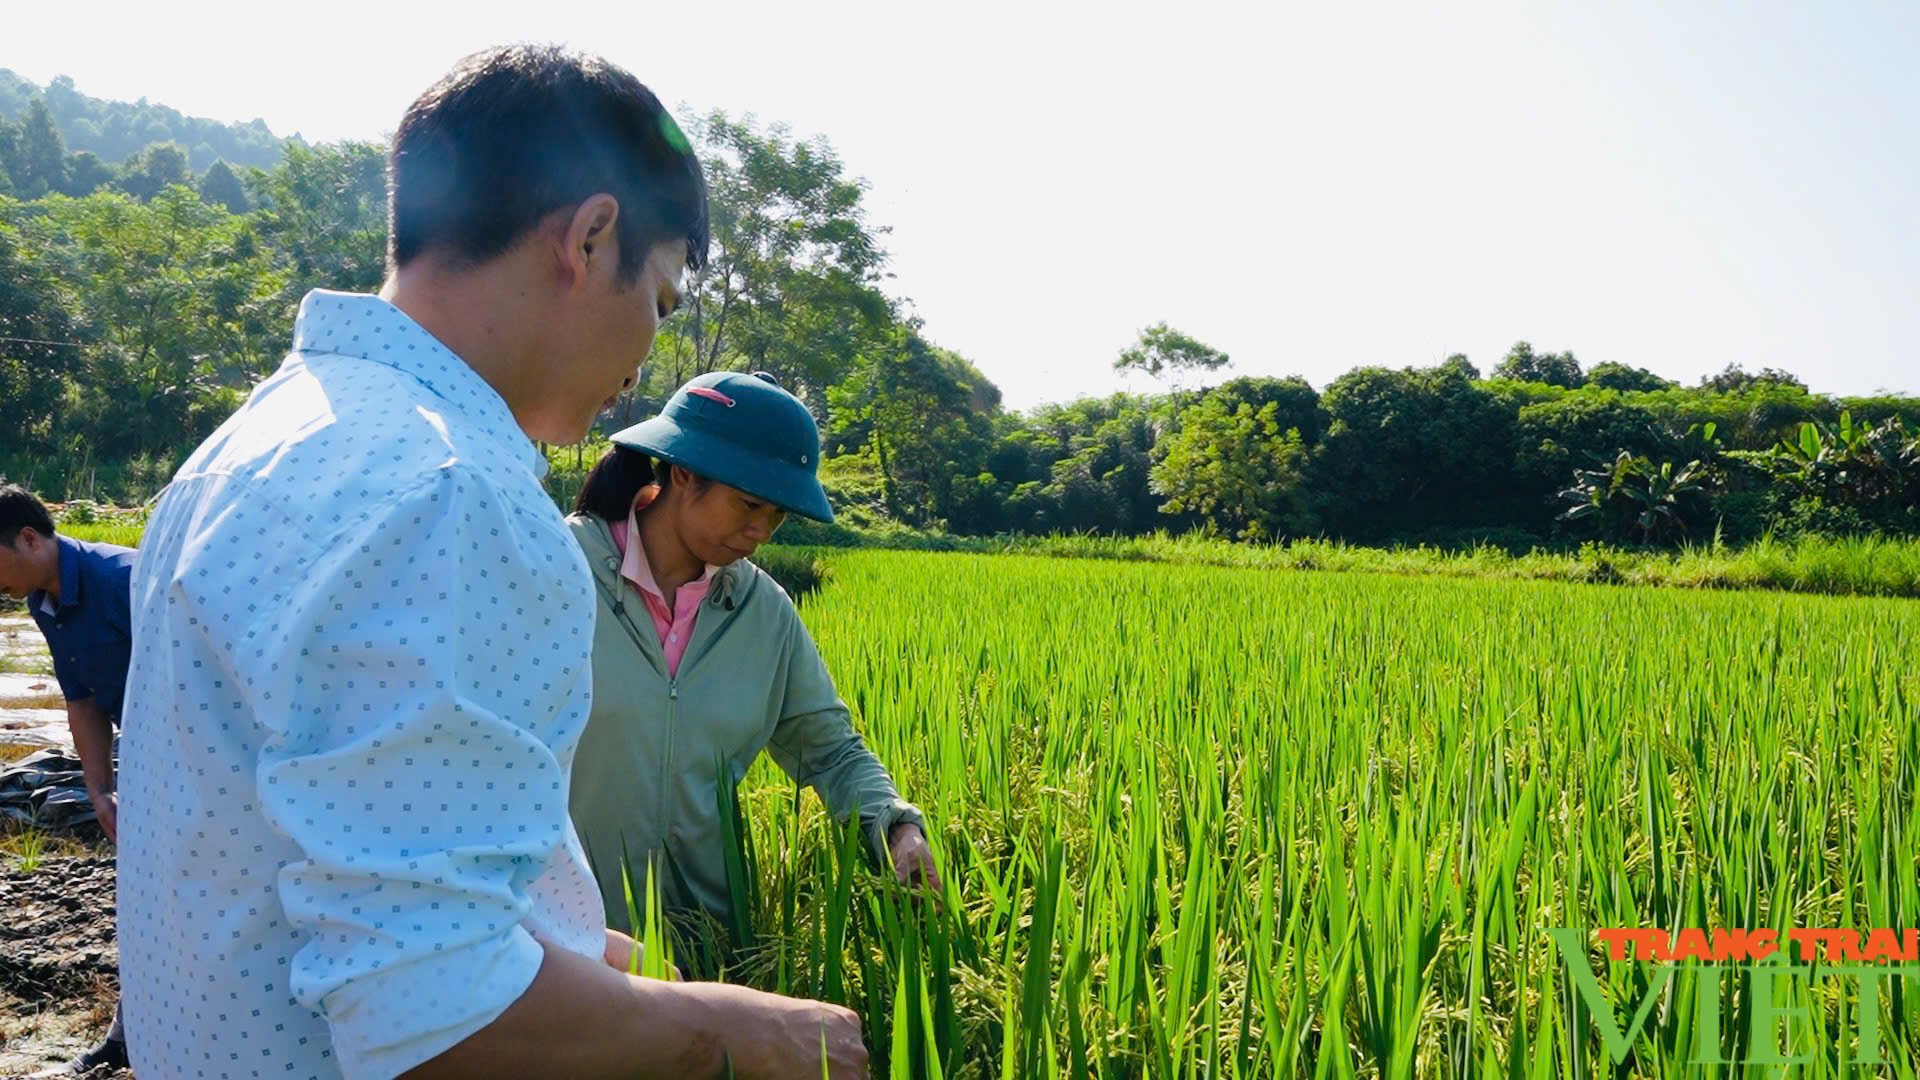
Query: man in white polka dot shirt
[361, 641]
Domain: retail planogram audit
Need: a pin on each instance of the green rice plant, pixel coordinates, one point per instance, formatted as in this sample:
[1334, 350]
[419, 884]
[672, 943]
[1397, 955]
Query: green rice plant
[654, 960]
[1229, 822]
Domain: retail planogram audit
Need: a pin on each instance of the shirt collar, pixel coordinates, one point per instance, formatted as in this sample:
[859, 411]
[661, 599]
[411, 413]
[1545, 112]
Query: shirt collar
[70, 556]
[633, 561]
[369, 328]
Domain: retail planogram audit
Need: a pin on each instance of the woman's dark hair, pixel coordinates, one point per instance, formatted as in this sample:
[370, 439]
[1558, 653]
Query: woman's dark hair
[513, 134]
[617, 478]
[613, 482]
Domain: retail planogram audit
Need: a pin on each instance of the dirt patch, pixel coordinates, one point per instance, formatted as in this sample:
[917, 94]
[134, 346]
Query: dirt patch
[59, 960]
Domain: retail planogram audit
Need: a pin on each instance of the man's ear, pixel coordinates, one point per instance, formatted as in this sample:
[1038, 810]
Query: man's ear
[590, 240]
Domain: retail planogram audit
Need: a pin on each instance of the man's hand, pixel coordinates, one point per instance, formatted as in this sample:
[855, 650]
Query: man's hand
[792, 1032]
[106, 806]
[912, 858]
[581, 1018]
[93, 742]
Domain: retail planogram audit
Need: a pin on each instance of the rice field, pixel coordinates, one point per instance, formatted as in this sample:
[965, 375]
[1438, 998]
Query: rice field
[1201, 821]
[1267, 820]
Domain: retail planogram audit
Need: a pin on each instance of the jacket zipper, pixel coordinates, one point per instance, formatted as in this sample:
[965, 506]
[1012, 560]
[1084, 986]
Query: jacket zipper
[616, 599]
[666, 765]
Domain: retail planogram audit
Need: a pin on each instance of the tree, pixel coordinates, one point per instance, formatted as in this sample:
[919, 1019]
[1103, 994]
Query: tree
[912, 407]
[39, 349]
[179, 298]
[1613, 376]
[1409, 448]
[1164, 351]
[323, 212]
[1231, 463]
[154, 169]
[1734, 379]
[220, 187]
[1105, 481]
[1297, 404]
[792, 283]
[86, 174]
[9, 155]
[42, 161]
[1079, 466]
[1551, 438]
[1524, 365]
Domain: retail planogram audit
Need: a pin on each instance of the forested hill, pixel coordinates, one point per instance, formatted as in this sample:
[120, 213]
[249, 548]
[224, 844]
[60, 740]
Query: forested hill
[117, 130]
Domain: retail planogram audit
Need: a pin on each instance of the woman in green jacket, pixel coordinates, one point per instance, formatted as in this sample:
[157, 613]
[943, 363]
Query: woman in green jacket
[699, 659]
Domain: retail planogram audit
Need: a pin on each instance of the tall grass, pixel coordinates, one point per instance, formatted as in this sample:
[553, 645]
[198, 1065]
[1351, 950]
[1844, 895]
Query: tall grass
[1202, 821]
[1866, 565]
[31, 847]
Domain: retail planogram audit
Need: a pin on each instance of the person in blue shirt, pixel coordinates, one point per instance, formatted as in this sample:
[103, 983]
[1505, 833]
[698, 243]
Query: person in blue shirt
[78, 593]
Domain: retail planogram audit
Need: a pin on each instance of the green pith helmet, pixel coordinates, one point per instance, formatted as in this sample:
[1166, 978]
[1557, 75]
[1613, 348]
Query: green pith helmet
[744, 431]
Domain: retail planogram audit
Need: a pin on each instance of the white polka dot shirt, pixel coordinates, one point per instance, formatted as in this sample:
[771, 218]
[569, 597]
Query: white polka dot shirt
[361, 641]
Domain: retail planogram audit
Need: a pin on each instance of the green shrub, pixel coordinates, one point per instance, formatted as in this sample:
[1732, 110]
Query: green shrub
[798, 570]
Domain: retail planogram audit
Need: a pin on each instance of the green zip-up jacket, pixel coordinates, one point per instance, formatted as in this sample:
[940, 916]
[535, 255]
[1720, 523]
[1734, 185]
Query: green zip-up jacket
[645, 772]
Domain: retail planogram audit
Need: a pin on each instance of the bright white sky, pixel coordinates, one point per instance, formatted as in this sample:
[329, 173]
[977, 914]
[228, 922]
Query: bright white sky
[1305, 186]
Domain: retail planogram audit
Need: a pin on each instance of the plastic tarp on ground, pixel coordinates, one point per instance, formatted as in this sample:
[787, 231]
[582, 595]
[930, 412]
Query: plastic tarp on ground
[46, 789]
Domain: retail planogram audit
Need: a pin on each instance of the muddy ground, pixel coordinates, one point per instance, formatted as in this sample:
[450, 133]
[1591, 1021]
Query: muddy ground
[58, 960]
[58, 957]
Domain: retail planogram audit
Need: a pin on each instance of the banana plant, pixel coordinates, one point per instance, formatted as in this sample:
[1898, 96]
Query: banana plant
[1851, 463]
[1631, 488]
[1659, 495]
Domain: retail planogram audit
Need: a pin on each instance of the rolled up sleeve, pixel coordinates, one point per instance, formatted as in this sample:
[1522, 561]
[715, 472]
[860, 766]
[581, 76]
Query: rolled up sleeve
[405, 758]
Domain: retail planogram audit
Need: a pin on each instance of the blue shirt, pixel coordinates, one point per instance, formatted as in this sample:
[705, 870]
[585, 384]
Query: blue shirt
[360, 671]
[88, 629]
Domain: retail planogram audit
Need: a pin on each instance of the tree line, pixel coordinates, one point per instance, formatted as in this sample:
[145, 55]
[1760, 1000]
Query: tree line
[141, 298]
[99, 132]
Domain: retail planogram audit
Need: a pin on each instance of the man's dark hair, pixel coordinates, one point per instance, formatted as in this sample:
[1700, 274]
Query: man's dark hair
[513, 134]
[20, 510]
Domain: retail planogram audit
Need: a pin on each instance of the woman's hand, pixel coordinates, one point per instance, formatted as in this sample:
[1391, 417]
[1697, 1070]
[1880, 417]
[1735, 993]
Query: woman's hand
[623, 955]
[912, 858]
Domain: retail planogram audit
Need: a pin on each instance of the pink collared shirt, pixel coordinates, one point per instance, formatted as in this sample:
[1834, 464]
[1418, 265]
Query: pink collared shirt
[674, 626]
